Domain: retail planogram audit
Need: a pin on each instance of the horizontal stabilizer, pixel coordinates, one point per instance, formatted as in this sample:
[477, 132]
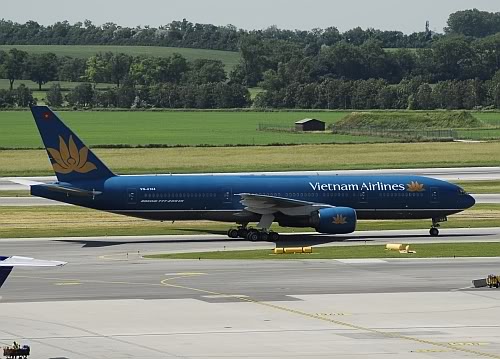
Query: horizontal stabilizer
[23, 182]
[7, 263]
[16, 261]
[71, 190]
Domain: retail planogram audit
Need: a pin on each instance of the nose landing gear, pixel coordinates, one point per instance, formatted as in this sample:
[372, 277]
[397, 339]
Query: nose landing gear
[434, 231]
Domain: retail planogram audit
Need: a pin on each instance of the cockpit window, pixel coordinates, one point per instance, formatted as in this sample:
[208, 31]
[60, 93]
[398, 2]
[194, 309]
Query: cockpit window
[461, 191]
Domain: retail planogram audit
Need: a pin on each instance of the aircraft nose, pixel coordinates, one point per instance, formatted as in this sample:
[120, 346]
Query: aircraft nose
[469, 201]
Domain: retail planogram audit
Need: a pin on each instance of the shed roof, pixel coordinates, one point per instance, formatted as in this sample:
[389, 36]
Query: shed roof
[305, 120]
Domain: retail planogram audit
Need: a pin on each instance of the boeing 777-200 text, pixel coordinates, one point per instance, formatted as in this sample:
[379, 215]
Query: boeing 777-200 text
[329, 204]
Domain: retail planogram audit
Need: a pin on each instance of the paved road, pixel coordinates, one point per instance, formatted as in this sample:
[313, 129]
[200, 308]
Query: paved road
[449, 174]
[106, 304]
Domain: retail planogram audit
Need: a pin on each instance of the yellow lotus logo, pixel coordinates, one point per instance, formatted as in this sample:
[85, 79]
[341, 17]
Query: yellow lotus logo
[69, 158]
[414, 186]
[339, 219]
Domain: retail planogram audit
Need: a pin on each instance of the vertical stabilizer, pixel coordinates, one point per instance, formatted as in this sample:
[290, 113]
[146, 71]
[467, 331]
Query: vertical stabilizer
[70, 158]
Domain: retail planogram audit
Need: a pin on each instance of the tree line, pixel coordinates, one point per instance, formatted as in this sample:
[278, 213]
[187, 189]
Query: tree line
[167, 82]
[414, 94]
[186, 34]
[108, 68]
[269, 64]
[473, 23]
[449, 58]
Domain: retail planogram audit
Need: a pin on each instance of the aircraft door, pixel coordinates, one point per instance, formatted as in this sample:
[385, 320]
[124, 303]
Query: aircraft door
[434, 195]
[363, 197]
[131, 196]
[227, 195]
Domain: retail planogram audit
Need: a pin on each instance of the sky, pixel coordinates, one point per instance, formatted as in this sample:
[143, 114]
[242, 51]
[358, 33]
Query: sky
[403, 15]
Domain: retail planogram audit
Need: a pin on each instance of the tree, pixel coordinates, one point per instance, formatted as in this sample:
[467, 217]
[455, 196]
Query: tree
[71, 69]
[473, 23]
[42, 68]
[54, 95]
[342, 60]
[253, 60]
[14, 66]
[206, 71]
[96, 70]
[118, 66]
[81, 95]
[7, 98]
[453, 58]
[24, 96]
[125, 95]
[423, 99]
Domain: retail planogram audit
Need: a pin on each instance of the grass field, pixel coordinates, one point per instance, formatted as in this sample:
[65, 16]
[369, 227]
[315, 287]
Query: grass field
[479, 186]
[229, 58]
[268, 158]
[17, 222]
[186, 128]
[433, 250]
[170, 128]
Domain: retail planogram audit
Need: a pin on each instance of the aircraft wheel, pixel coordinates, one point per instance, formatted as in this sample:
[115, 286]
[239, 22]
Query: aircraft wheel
[232, 233]
[242, 232]
[434, 232]
[253, 236]
[263, 236]
[274, 236]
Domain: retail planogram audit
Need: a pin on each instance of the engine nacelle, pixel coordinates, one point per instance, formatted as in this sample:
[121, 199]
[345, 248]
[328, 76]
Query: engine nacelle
[337, 220]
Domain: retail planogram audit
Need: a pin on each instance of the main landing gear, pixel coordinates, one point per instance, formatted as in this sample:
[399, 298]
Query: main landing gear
[434, 231]
[253, 234]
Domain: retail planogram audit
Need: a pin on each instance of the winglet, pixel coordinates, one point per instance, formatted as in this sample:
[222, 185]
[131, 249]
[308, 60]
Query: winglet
[70, 158]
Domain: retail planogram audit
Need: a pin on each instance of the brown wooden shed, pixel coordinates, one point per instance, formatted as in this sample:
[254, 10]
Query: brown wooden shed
[309, 124]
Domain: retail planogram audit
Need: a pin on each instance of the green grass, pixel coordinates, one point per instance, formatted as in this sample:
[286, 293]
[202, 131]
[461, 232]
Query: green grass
[64, 221]
[434, 250]
[413, 120]
[479, 134]
[269, 158]
[254, 91]
[65, 86]
[480, 186]
[15, 193]
[170, 128]
[186, 128]
[229, 58]
[492, 118]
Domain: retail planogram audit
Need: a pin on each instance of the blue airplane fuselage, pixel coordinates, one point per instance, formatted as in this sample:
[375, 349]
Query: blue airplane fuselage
[216, 197]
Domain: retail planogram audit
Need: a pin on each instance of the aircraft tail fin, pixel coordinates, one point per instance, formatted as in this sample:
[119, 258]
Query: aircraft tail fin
[70, 158]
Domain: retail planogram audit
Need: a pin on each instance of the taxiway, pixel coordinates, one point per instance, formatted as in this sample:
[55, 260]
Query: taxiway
[111, 302]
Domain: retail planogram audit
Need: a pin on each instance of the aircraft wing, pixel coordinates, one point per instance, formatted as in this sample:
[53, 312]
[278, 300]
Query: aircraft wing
[263, 204]
[7, 263]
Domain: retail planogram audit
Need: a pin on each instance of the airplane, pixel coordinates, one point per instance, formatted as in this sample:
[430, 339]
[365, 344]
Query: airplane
[8, 263]
[329, 204]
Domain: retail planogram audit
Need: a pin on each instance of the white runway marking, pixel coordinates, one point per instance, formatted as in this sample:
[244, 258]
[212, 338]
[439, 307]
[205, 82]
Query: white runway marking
[361, 261]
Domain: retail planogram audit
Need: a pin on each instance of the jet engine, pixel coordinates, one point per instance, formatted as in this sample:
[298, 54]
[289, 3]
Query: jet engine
[336, 220]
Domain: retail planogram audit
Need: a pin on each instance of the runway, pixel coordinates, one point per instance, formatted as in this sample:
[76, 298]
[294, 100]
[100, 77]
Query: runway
[447, 174]
[110, 302]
